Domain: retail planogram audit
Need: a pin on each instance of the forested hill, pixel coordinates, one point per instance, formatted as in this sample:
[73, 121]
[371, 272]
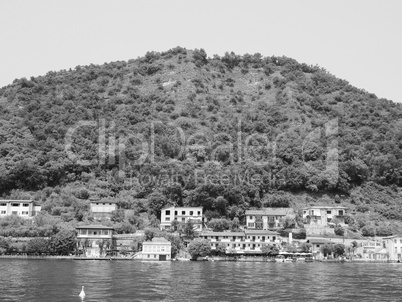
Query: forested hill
[311, 137]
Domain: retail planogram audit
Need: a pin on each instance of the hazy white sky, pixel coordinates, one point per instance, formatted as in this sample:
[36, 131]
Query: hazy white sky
[359, 41]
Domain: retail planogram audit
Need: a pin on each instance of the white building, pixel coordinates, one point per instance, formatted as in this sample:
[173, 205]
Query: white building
[102, 209]
[22, 208]
[322, 215]
[158, 249]
[267, 218]
[393, 244]
[94, 240]
[182, 215]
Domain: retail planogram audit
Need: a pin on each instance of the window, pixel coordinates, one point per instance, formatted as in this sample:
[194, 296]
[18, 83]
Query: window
[110, 204]
[340, 212]
[329, 212]
[154, 256]
[251, 217]
[183, 212]
[304, 212]
[97, 203]
[317, 245]
[175, 213]
[183, 220]
[148, 255]
[167, 218]
[14, 213]
[3, 212]
[167, 212]
[250, 224]
[95, 233]
[191, 213]
[25, 204]
[104, 204]
[199, 213]
[15, 204]
[24, 212]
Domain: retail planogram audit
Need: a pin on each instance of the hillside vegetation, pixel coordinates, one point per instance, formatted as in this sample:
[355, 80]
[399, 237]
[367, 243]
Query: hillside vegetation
[227, 133]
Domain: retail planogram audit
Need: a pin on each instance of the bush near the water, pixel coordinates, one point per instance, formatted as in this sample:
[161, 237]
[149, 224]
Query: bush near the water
[199, 248]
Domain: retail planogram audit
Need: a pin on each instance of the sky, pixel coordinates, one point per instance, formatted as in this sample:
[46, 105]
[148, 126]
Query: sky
[359, 41]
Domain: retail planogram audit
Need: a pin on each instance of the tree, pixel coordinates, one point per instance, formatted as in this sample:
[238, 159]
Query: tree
[199, 248]
[338, 249]
[177, 243]
[327, 249]
[38, 246]
[340, 231]
[175, 225]
[63, 243]
[156, 202]
[221, 249]
[368, 230]
[149, 235]
[305, 247]
[117, 215]
[189, 229]
[4, 245]
[219, 224]
[235, 226]
[269, 250]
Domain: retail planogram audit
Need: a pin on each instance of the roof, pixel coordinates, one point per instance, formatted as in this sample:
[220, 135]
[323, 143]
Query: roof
[17, 200]
[271, 211]
[325, 207]
[261, 232]
[222, 234]
[157, 240]
[94, 226]
[319, 241]
[181, 208]
[102, 201]
[393, 236]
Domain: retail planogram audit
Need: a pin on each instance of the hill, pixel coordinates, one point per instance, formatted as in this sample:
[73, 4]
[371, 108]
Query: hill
[228, 133]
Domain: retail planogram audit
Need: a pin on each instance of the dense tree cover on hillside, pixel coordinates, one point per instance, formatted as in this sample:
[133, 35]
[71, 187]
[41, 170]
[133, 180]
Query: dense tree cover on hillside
[227, 133]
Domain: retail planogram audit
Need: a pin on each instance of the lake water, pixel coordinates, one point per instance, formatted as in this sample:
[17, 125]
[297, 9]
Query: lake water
[61, 280]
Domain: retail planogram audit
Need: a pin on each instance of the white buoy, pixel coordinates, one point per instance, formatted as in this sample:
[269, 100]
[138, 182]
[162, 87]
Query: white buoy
[82, 293]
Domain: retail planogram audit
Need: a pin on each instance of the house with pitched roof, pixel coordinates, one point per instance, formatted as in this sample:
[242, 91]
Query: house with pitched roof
[324, 215]
[159, 249]
[267, 218]
[21, 208]
[94, 240]
[181, 215]
[247, 242]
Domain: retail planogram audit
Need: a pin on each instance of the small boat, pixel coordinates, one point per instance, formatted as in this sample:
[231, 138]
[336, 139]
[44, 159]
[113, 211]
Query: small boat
[288, 260]
[309, 259]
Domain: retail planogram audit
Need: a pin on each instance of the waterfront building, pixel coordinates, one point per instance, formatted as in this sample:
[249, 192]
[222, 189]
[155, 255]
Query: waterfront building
[182, 215]
[267, 218]
[21, 208]
[316, 245]
[94, 240]
[372, 250]
[393, 245]
[247, 242]
[102, 209]
[324, 215]
[158, 249]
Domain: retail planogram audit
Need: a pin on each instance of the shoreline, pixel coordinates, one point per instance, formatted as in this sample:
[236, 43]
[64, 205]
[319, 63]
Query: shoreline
[36, 257]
